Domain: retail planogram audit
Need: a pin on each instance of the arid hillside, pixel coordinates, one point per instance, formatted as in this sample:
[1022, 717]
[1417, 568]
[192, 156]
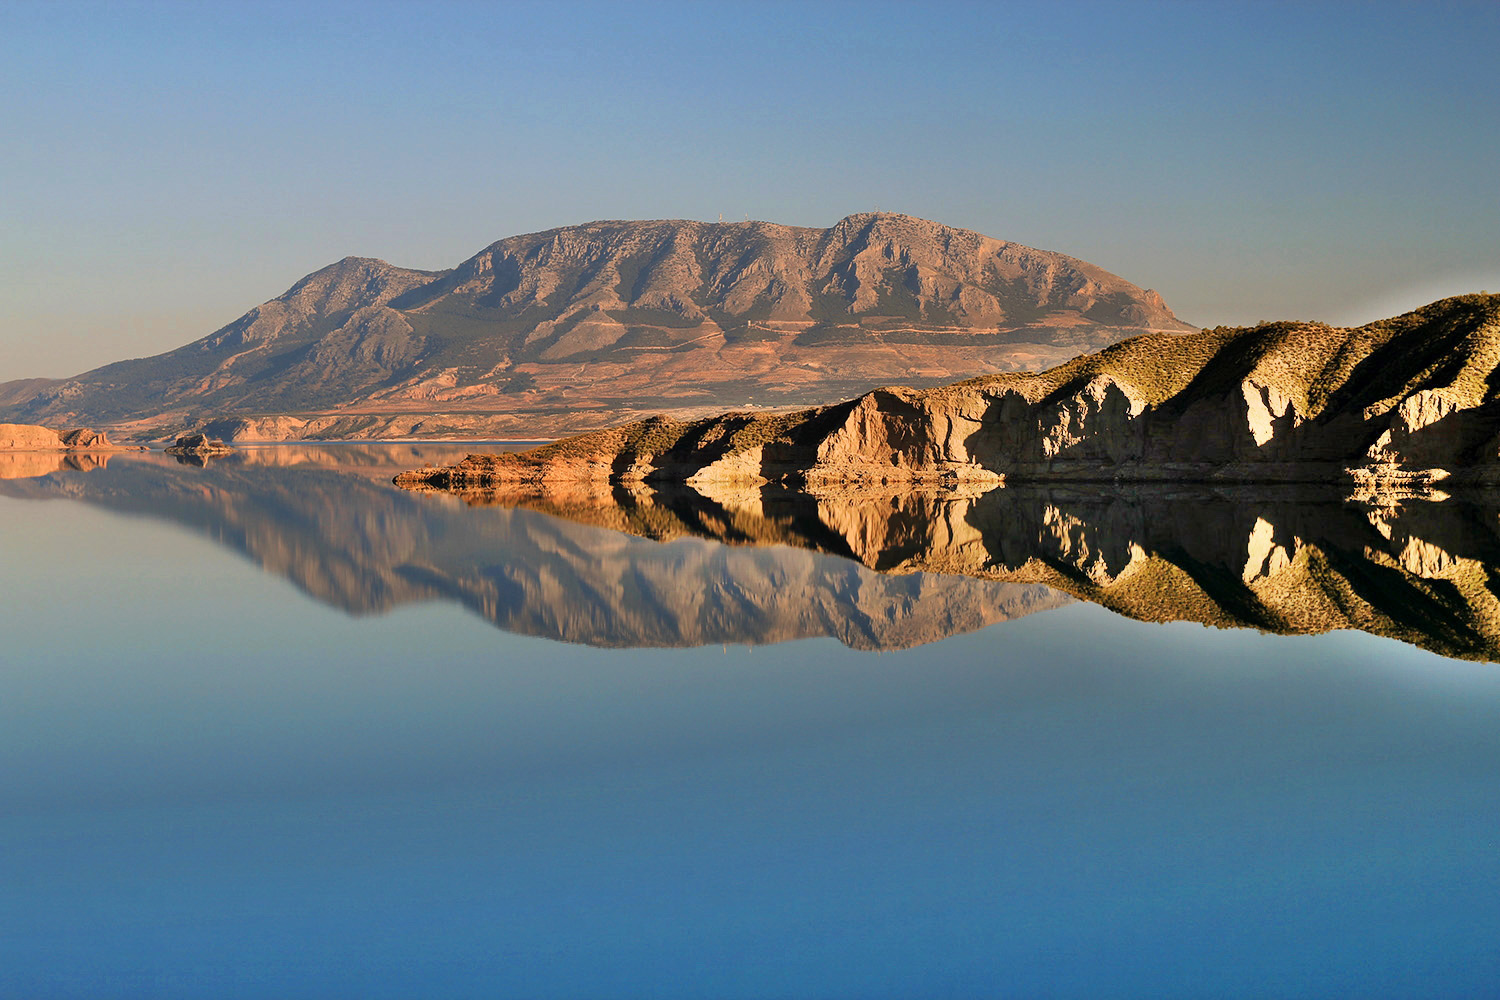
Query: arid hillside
[1405, 402]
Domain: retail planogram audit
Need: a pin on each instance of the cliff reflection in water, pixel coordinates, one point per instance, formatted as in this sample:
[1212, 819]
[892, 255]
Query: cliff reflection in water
[876, 573]
[1287, 560]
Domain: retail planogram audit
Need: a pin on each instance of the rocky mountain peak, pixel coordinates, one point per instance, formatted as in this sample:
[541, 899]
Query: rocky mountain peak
[351, 281]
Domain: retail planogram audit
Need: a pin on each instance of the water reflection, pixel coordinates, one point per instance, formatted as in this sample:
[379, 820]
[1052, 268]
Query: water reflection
[1287, 560]
[875, 572]
[327, 519]
[34, 464]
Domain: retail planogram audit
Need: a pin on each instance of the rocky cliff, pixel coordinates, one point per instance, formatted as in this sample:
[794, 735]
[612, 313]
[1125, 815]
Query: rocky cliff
[587, 326]
[28, 451]
[31, 437]
[1401, 403]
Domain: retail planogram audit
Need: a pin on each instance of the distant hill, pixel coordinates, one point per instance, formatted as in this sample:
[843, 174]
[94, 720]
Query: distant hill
[589, 325]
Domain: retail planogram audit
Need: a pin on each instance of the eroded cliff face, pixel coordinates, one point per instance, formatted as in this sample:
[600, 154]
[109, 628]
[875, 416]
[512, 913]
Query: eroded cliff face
[1397, 404]
[29, 437]
[33, 438]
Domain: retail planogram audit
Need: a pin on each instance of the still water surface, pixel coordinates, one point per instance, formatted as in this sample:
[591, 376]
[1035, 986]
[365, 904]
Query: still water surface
[260, 736]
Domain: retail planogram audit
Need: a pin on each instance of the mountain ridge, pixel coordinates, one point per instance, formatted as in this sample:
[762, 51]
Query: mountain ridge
[612, 316]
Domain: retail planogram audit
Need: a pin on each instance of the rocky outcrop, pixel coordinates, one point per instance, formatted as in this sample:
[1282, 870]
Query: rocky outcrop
[590, 326]
[1399, 404]
[198, 447]
[28, 451]
[30, 437]
[86, 439]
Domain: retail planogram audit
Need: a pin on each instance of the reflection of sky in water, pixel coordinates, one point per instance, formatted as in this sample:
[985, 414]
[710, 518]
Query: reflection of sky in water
[210, 785]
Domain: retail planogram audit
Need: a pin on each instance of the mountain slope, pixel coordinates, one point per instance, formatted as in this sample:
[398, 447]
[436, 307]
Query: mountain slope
[596, 318]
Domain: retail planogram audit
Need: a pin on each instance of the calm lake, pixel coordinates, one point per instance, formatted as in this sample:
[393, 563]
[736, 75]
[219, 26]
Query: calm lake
[275, 728]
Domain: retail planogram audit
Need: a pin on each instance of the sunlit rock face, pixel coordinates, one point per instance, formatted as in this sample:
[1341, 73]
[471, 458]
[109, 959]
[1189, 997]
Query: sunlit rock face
[30, 437]
[28, 451]
[1405, 402]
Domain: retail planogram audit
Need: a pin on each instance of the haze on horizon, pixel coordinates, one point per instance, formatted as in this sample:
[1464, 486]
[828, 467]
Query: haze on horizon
[172, 165]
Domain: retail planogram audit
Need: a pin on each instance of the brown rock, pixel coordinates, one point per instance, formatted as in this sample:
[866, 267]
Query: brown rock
[199, 445]
[29, 437]
[85, 439]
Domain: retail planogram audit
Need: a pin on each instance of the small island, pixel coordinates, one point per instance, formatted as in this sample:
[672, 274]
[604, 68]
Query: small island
[198, 446]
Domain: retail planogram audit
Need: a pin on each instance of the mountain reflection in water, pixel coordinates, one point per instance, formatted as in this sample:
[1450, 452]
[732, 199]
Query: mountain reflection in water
[876, 573]
[327, 519]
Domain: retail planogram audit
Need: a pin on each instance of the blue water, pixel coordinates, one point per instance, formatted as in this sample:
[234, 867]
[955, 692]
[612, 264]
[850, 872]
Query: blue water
[214, 786]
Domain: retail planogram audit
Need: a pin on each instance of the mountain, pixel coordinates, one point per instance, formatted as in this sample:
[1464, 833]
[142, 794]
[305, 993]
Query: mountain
[587, 325]
[1405, 402]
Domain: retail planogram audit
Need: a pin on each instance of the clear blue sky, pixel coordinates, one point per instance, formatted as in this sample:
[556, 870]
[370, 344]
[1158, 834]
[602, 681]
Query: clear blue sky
[167, 166]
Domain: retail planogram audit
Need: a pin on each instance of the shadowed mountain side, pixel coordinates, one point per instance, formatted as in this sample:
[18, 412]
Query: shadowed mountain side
[594, 325]
[1285, 560]
[1387, 406]
[327, 520]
